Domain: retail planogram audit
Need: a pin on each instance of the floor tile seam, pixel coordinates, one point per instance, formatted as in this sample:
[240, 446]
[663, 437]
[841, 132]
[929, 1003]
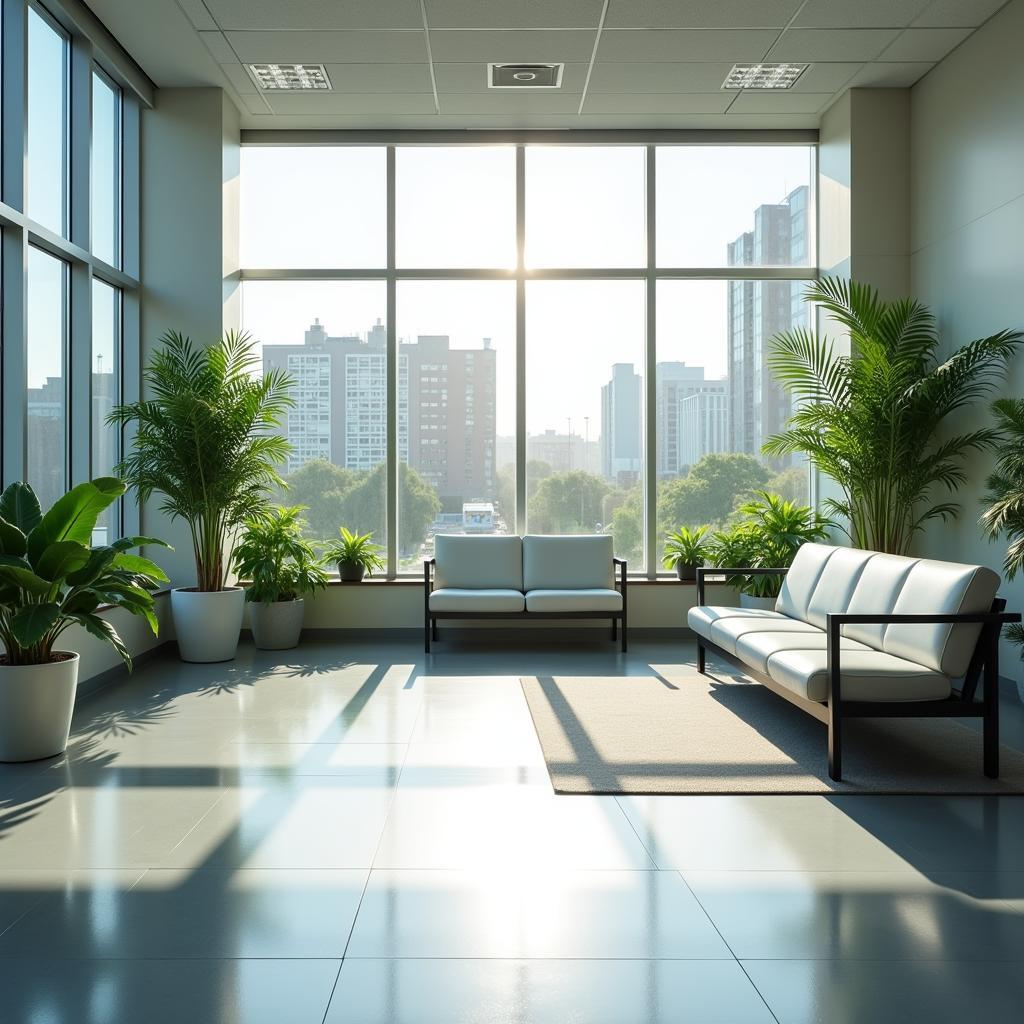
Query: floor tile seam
[216, 803]
[639, 838]
[542, 958]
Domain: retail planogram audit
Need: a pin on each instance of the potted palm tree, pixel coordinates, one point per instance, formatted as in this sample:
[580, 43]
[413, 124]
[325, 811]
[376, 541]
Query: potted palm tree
[870, 420]
[685, 550]
[207, 441]
[281, 568]
[356, 555]
[51, 578]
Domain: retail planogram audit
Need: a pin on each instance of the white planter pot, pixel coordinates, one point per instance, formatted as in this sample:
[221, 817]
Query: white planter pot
[207, 624]
[276, 626]
[36, 702]
[765, 603]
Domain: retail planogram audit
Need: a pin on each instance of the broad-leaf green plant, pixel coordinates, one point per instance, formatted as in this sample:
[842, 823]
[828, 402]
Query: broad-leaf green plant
[52, 578]
[873, 420]
[687, 546]
[355, 549]
[279, 564]
[207, 441]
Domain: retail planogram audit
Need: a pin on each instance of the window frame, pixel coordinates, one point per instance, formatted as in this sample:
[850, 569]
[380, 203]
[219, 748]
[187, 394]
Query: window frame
[649, 272]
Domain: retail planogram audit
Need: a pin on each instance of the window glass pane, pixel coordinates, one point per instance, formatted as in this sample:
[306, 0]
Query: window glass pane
[105, 394]
[584, 410]
[716, 401]
[313, 206]
[106, 171]
[46, 166]
[721, 206]
[455, 206]
[456, 410]
[585, 206]
[46, 431]
[331, 338]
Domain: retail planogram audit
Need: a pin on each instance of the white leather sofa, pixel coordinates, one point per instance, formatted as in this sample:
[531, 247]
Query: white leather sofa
[531, 577]
[861, 634]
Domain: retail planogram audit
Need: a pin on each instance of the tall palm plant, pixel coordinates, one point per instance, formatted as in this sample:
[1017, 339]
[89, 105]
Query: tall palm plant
[206, 440]
[869, 420]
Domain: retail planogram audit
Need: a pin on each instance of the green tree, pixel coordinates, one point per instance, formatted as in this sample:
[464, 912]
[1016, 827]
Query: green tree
[322, 487]
[418, 506]
[627, 526]
[791, 484]
[711, 491]
[567, 503]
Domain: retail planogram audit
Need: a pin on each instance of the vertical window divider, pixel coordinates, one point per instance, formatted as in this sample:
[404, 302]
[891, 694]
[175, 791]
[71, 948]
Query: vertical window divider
[520, 516]
[650, 419]
[391, 405]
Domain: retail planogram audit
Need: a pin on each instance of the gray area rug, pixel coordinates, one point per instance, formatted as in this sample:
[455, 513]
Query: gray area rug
[676, 732]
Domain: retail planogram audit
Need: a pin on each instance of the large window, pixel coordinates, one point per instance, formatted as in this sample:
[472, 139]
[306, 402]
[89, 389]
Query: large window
[106, 170]
[105, 393]
[548, 369]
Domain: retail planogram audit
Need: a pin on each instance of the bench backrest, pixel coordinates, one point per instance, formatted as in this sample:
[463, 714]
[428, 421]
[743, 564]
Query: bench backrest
[827, 579]
[478, 563]
[583, 561]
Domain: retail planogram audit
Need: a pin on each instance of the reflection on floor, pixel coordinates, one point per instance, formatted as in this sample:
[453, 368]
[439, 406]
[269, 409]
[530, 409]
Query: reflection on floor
[352, 833]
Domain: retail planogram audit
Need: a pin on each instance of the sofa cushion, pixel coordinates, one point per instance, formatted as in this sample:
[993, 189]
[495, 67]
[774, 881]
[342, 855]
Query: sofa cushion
[456, 599]
[941, 587]
[482, 563]
[799, 583]
[726, 632]
[836, 584]
[866, 675]
[582, 562]
[592, 599]
[700, 617]
[877, 589]
[756, 648]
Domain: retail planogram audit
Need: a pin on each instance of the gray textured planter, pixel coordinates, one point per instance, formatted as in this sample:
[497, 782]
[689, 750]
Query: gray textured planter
[36, 702]
[351, 572]
[686, 572]
[277, 625]
[207, 624]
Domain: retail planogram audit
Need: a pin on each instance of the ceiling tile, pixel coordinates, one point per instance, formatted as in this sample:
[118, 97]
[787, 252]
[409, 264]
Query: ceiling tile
[239, 78]
[457, 47]
[472, 78]
[509, 103]
[685, 44]
[255, 104]
[890, 76]
[709, 14]
[657, 77]
[925, 43]
[969, 13]
[658, 103]
[749, 102]
[218, 46]
[380, 78]
[197, 12]
[812, 44]
[826, 77]
[517, 14]
[315, 14]
[859, 14]
[330, 47]
[327, 104]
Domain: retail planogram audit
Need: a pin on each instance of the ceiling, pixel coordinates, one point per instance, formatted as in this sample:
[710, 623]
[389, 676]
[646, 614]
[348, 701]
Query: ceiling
[628, 63]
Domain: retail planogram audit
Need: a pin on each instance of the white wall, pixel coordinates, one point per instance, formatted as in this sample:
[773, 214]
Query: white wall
[967, 232]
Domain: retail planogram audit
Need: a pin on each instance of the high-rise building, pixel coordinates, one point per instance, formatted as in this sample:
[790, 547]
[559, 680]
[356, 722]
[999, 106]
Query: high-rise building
[675, 384]
[703, 425]
[758, 310]
[621, 442]
[564, 452]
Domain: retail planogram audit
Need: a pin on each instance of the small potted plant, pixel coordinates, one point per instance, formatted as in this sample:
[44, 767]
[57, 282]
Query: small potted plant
[685, 551]
[207, 441]
[356, 555]
[51, 578]
[281, 567]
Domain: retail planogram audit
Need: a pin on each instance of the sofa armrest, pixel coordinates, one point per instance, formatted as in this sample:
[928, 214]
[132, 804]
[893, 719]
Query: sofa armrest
[428, 577]
[621, 563]
[712, 570]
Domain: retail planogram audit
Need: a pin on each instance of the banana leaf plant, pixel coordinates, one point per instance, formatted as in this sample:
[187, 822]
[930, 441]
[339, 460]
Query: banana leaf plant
[52, 578]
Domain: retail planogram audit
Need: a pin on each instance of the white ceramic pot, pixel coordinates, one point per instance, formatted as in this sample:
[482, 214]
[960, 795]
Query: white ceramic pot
[277, 625]
[207, 624]
[765, 603]
[36, 702]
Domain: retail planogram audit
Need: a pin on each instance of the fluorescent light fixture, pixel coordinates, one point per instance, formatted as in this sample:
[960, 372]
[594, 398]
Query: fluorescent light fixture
[290, 77]
[763, 76]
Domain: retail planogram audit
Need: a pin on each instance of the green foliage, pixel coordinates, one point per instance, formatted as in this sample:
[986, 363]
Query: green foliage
[711, 490]
[355, 549]
[321, 488]
[206, 440]
[568, 503]
[870, 420]
[792, 484]
[51, 578]
[687, 546]
[273, 556]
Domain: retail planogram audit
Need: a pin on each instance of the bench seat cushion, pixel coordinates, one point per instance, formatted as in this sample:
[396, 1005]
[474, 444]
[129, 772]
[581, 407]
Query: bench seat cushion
[866, 675]
[701, 618]
[591, 599]
[566, 562]
[756, 648]
[455, 599]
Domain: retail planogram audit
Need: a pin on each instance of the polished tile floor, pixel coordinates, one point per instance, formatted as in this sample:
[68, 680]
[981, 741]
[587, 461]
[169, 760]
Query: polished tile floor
[357, 834]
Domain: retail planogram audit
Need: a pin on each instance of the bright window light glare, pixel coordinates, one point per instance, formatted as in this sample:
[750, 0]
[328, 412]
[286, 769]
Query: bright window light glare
[763, 76]
[290, 77]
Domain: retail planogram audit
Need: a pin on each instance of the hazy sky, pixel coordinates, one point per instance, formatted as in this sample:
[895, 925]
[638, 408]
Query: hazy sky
[455, 207]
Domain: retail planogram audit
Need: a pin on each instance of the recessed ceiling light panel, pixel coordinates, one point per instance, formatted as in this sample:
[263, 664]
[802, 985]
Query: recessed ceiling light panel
[763, 76]
[290, 77]
[524, 76]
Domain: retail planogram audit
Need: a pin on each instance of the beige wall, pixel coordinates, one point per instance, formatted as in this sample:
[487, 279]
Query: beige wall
[967, 232]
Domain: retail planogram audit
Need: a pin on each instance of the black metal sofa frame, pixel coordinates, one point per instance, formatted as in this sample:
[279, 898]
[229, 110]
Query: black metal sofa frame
[983, 666]
[430, 617]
